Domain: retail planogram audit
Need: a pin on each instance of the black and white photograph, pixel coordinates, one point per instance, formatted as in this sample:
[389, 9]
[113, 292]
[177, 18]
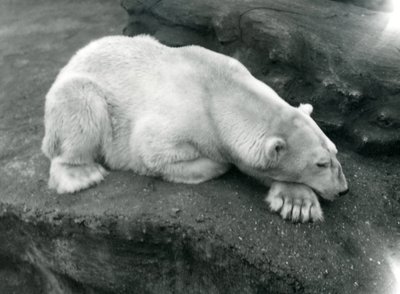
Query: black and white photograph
[200, 146]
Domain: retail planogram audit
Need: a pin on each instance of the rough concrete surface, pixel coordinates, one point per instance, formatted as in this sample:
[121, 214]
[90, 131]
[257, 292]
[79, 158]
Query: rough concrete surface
[136, 234]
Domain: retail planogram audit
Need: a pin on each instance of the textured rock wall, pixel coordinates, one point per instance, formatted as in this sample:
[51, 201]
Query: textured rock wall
[343, 59]
[157, 258]
[381, 5]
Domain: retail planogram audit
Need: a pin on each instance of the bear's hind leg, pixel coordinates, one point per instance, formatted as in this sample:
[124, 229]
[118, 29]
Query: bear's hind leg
[76, 122]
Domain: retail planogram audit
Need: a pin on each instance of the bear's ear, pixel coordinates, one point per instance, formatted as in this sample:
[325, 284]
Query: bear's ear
[274, 148]
[306, 108]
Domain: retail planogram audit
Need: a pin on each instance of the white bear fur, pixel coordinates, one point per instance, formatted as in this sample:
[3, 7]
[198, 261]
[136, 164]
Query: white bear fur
[186, 115]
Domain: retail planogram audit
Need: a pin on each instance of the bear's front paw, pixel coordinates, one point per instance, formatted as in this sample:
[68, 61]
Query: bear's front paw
[296, 202]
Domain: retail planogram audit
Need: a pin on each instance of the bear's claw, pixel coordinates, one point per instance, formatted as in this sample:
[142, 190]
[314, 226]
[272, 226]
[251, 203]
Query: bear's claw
[296, 202]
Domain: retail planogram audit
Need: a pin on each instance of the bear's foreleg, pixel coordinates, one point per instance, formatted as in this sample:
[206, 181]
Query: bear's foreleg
[194, 171]
[170, 157]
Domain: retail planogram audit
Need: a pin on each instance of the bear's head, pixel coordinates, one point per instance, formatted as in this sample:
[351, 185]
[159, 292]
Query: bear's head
[300, 152]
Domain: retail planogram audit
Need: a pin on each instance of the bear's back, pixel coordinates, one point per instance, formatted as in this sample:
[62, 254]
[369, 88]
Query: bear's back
[115, 54]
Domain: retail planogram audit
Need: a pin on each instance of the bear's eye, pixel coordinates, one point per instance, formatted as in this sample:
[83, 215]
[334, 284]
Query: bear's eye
[323, 164]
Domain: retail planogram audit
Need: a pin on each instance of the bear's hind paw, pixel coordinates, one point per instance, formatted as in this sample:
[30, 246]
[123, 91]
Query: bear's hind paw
[66, 178]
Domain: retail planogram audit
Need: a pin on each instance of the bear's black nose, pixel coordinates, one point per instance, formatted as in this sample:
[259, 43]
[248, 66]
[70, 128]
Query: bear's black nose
[344, 192]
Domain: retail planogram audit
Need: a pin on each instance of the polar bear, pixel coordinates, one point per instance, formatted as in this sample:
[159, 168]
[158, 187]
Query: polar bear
[186, 115]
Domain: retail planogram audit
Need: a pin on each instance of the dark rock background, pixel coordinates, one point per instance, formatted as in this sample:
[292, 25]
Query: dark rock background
[341, 58]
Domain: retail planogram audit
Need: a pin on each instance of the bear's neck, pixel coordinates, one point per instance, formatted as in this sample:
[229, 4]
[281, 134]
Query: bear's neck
[245, 114]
